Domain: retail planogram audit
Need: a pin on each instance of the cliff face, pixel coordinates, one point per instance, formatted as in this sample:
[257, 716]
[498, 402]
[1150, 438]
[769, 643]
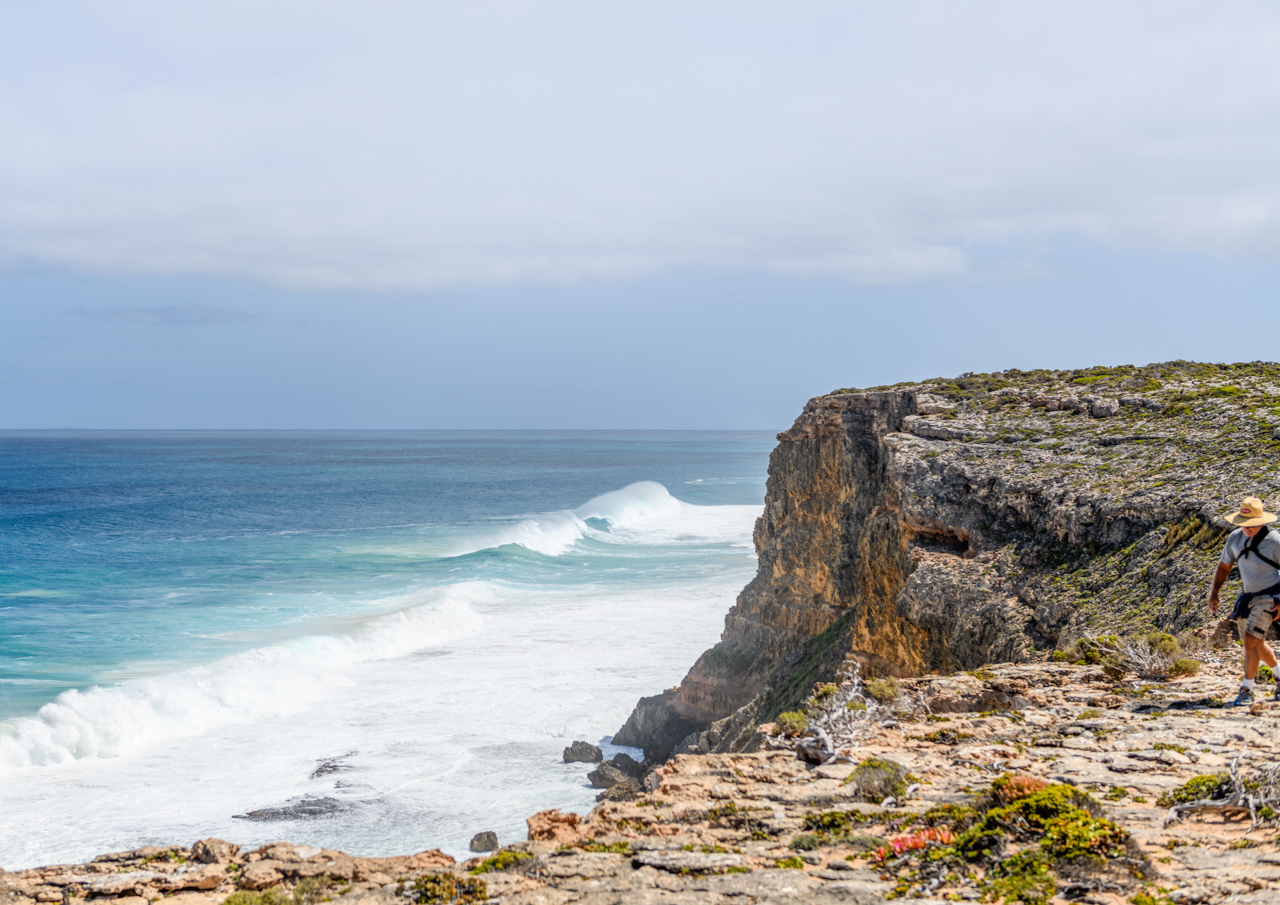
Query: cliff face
[942, 525]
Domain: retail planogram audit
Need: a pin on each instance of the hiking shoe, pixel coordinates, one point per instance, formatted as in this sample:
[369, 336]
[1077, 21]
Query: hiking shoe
[1276, 696]
[1244, 697]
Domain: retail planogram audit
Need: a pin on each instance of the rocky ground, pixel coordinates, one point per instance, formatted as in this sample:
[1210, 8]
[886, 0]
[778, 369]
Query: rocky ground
[769, 826]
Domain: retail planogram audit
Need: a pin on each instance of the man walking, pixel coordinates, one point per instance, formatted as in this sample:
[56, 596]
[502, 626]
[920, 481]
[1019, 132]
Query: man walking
[1256, 550]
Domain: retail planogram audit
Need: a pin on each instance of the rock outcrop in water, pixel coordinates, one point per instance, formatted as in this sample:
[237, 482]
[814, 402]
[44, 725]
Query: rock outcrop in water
[991, 518]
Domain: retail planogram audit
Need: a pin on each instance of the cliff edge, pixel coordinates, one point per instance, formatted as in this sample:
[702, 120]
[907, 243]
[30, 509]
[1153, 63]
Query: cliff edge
[941, 525]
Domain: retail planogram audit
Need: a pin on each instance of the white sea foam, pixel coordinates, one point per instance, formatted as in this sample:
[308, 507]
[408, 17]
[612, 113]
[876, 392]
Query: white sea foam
[469, 736]
[281, 678]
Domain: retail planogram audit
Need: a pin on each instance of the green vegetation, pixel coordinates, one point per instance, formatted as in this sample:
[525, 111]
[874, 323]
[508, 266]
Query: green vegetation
[273, 896]
[792, 723]
[503, 860]
[1025, 878]
[793, 862]
[1207, 786]
[618, 848]
[884, 690]
[806, 842]
[444, 889]
[878, 778]
[945, 736]
[308, 891]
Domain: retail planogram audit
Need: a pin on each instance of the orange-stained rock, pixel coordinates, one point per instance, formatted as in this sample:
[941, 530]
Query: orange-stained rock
[552, 826]
[429, 860]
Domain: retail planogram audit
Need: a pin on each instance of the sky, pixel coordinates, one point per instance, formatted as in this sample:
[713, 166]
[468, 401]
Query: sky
[569, 215]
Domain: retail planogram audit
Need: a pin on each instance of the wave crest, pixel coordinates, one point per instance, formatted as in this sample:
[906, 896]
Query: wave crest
[554, 533]
[275, 680]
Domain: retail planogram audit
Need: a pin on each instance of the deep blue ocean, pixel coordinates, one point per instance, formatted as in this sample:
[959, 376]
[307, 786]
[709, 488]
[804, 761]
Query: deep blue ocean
[191, 623]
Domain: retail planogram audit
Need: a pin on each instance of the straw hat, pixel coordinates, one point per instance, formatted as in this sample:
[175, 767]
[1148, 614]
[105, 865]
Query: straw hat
[1251, 514]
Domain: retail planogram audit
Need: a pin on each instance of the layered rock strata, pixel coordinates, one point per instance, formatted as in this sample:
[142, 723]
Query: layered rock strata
[991, 518]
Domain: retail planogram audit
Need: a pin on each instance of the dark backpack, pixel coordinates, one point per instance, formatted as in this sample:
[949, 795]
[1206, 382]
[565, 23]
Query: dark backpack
[1251, 546]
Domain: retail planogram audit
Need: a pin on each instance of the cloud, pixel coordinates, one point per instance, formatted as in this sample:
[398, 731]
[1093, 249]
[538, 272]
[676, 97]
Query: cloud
[171, 315]
[412, 146]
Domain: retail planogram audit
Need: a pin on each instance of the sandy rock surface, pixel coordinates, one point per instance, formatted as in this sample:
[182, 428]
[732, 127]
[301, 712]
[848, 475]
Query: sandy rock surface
[727, 828]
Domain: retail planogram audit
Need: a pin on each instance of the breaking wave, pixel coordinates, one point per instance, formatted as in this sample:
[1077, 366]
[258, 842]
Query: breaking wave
[555, 533]
[275, 680]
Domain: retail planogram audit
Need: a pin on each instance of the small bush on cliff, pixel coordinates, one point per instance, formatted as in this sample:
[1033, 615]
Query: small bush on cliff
[444, 889]
[792, 723]
[1212, 785]
[273, 896]
[1151, 656]
[1010, 787]
[878, 778]
[884, 690]
[1024, 878]
[504, 860]
[1185, 666]
[806, 842]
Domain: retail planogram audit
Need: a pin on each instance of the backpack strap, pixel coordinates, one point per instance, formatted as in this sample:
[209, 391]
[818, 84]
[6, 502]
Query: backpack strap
[1251, 546]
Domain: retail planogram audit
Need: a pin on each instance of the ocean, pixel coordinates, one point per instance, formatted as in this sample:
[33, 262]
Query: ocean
[401, 629]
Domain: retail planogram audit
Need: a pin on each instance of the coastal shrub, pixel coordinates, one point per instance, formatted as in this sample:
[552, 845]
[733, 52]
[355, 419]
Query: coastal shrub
[273, 896]
[444, 889]
[1010, 787]
[1265, 674]
[1025, 818]
[793, 862]
[311, 890]
[1024, 878]
[616, 848]
[957, 816]
[1094, 649]
[1077, 835]
[1184, 666]
[824, 690]
[855, 705]
[792, 723]
[1210, 785]
[503, 860]
[806, 842]
[885, 690]
[946, 736]
[878, 778]
[1150, 655]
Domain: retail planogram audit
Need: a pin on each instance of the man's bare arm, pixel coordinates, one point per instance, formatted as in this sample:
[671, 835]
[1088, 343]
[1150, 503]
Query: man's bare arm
[1219, 578]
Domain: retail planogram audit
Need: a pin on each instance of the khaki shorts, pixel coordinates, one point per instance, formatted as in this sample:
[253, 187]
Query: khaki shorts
[1261, 615]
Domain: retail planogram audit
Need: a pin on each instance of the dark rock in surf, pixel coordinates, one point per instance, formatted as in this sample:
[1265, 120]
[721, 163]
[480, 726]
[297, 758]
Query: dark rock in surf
[332, 765]
[628, 765]
[606, 776]
[308, 807]
[484, 842]
[626, 790]
[583, 753]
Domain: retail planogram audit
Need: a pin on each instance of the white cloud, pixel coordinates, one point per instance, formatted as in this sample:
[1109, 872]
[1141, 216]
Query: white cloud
[411, 145]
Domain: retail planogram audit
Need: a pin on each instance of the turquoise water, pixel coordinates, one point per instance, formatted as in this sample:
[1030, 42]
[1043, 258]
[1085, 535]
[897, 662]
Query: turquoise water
[190, 623]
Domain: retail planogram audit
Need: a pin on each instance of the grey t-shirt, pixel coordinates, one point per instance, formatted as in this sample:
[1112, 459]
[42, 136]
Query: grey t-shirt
[1255, 575]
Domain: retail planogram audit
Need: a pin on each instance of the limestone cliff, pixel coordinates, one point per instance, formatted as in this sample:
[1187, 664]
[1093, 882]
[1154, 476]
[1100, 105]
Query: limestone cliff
[938, 526]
